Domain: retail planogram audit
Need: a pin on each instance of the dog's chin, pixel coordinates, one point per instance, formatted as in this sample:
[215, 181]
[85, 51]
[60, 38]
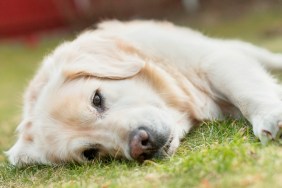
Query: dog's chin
[168, 149]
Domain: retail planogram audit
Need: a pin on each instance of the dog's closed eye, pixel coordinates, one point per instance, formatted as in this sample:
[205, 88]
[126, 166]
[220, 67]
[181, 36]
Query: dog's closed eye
[90, 153]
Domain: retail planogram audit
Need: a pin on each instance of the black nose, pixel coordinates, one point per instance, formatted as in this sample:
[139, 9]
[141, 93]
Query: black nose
[144, 144]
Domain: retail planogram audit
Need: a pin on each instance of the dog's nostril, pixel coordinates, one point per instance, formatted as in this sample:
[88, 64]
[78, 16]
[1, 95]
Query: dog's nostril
[145, 142]
[144, 137]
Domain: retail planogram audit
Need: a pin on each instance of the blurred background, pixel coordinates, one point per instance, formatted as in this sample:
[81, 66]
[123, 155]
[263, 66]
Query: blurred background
[29, 19]
[30, 29]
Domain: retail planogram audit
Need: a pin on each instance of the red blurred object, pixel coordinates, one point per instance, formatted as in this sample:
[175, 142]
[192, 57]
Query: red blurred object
[22, 17]
[29, 17]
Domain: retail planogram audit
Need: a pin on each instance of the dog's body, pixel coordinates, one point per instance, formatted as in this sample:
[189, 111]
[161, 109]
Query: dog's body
[134, 89]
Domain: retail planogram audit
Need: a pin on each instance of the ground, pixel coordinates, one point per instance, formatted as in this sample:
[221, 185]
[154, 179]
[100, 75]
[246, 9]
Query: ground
[215, 154]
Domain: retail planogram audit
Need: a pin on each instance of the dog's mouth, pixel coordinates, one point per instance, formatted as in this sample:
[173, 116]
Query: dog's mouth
[166, 147]
[92, 153]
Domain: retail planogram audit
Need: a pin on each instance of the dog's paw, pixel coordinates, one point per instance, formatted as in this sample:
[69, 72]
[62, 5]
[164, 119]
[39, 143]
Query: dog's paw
[274, 134]
[268, 126]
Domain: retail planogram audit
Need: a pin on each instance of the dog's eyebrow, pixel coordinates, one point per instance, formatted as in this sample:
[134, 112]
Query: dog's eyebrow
[69, 76]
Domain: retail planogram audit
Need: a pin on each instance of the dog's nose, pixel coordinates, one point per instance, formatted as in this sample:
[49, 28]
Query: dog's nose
[141, 145]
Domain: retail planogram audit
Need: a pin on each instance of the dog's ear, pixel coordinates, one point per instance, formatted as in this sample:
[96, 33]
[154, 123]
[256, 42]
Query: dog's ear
[114, 59]
[24, 151]
[35, 87]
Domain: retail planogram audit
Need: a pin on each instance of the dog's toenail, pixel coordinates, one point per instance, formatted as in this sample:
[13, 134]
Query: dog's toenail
[267, 133]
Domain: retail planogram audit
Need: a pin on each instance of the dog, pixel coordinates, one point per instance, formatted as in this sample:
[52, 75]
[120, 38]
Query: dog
[134, 89]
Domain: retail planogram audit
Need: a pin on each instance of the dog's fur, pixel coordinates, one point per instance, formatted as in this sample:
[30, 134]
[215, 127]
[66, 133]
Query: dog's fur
[150, 74]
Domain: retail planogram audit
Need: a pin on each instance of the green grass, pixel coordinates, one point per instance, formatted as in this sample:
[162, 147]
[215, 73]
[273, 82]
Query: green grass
[216, 154]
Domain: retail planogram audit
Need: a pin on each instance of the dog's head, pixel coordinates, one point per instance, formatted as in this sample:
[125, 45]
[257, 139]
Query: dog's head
[97, 97]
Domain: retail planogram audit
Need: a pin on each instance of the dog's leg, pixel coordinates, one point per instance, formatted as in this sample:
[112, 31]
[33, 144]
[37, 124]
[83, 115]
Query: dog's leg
[269, 60]
[241, 80]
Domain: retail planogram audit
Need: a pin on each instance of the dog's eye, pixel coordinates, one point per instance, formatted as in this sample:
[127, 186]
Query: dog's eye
[97, 99]
[90, 154]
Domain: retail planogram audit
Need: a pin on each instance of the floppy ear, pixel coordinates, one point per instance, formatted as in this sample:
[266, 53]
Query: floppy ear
[23, 151]
[114, 59]
[36, 86]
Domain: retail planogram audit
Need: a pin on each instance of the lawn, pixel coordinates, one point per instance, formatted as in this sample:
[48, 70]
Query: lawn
[216, 154]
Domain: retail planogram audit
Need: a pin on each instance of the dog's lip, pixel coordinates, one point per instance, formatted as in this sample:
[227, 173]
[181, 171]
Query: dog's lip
[166, 147]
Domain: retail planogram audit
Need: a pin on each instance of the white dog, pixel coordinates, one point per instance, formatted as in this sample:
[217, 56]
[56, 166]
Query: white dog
[133, 90]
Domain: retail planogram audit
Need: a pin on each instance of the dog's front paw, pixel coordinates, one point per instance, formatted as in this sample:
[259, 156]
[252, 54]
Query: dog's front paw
[265, 134]
[268, 126]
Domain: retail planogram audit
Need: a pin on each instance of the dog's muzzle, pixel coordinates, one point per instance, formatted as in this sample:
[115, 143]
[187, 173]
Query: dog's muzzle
[145, 144]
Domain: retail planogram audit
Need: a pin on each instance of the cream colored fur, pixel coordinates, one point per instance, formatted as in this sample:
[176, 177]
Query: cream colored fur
[150, 73]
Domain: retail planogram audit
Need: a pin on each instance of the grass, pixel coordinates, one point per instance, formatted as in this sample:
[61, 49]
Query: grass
[215, 154]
